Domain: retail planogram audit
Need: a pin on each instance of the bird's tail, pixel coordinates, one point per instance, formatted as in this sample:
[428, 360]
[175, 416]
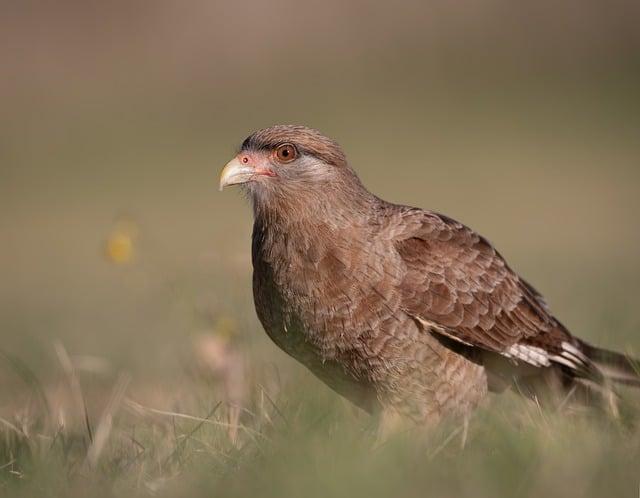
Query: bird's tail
[616, 367]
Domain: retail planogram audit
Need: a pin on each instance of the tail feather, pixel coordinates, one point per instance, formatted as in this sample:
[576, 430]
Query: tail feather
[616, 367]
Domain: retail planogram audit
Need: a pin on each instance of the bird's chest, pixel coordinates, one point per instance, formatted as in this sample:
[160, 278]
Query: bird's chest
[323, 301]
[294, 306]
[278, 316]
[314, 330]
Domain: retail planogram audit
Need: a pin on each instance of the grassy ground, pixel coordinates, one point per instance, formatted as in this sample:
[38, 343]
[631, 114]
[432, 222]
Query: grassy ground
[298, 440]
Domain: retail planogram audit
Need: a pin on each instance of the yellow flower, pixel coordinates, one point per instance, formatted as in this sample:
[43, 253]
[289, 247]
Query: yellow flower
[121, 243]
[119, 248]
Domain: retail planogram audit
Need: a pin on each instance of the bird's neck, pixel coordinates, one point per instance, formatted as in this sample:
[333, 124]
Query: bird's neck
[313, 223]
[328, 206]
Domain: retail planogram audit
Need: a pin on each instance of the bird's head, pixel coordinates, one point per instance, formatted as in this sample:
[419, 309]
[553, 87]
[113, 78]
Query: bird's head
[287, 162]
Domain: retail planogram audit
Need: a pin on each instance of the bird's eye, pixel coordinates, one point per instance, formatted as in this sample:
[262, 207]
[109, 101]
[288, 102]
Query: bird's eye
[286, 153]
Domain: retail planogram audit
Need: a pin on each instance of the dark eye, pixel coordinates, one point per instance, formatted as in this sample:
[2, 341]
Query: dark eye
[286, 153]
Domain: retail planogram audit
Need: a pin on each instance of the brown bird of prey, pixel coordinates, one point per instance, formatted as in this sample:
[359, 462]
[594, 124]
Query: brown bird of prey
[399, 309]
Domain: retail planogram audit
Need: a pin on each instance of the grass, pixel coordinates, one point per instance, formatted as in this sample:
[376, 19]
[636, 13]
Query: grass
[94, 433]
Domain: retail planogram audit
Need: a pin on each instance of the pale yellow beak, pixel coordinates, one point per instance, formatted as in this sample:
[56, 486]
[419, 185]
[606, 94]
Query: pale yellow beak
[235, 172]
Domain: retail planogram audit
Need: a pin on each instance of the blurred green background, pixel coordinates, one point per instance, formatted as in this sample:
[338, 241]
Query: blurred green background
[520, 119]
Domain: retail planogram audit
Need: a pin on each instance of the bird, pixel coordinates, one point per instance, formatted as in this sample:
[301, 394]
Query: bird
[403, 311]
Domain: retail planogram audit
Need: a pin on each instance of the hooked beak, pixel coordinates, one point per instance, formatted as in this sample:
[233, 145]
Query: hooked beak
[244, 168]
[235, 172]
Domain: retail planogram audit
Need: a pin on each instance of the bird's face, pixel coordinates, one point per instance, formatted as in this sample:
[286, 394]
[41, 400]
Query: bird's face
[284, 159]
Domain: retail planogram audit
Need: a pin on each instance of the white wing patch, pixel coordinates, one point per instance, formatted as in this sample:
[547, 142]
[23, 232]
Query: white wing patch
[533, 355]
[570, 356]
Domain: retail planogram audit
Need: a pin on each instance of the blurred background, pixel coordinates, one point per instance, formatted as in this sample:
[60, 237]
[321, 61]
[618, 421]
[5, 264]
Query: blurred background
[520, 119]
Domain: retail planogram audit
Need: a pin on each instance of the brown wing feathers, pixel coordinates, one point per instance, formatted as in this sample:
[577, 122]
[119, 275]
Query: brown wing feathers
[456, 279]
[459, 285]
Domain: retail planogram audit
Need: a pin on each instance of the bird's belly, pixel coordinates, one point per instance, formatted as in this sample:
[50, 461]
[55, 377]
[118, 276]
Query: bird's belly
[290, 335]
